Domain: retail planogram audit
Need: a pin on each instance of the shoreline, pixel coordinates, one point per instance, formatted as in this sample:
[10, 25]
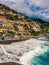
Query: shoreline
[6, 42]
[12, 40]
[20, 39]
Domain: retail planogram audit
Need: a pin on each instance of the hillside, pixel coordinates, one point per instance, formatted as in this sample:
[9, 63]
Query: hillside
[14, 23]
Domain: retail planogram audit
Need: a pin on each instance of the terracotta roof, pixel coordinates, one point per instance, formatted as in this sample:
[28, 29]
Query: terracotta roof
[4, 17]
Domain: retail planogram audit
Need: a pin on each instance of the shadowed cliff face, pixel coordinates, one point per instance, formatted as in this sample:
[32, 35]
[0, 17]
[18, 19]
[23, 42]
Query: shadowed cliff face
[32, 8]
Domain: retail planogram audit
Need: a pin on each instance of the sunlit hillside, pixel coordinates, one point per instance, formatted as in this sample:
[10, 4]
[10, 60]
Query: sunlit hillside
[18, 24]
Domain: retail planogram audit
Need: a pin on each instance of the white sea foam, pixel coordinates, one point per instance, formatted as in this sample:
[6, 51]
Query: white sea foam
[20, 52]
[38, 50]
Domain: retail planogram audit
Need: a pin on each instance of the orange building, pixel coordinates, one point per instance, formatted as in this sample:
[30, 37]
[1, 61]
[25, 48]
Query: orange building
[3, 17]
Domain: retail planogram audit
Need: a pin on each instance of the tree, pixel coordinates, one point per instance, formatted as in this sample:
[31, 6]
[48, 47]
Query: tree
[34, 33]
[15, 26]
[19, 34]
[10, 33]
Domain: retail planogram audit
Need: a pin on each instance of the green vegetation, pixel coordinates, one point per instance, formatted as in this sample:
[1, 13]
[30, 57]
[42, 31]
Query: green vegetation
[10, 33]
[23, 24]
[19, 34]
[34, 33]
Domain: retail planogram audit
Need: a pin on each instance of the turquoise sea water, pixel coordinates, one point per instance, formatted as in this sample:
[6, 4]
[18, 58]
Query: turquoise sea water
[41, 59]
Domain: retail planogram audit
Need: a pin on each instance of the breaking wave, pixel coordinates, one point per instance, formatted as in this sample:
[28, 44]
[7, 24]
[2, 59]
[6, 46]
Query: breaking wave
[41, 58]
[38, 56]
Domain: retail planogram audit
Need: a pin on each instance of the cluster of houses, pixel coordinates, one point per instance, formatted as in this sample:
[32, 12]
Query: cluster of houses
[3, 25]
[2, 20]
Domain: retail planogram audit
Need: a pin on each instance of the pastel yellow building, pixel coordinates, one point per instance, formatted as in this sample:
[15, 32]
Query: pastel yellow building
[1, 32]
[7, 25]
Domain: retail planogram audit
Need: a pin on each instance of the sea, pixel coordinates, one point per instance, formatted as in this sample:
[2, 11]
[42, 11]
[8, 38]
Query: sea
[42, 58]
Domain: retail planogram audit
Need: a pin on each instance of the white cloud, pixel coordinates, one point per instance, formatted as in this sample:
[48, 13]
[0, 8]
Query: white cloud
[38, 8]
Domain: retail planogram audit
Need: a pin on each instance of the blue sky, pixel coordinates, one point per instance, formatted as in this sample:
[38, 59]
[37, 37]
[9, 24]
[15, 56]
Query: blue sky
[32, 8]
